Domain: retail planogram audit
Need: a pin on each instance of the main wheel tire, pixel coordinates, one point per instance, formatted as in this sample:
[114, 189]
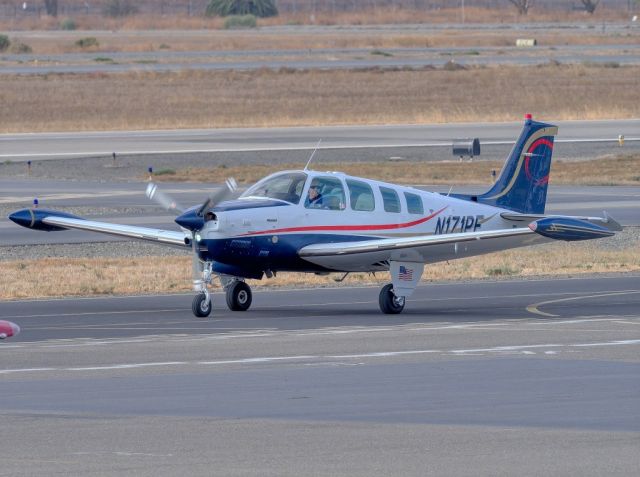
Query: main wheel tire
[239, 296]
[389, 303]
[200, 307]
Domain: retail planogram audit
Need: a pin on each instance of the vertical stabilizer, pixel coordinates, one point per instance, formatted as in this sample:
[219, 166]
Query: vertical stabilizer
[524, 179]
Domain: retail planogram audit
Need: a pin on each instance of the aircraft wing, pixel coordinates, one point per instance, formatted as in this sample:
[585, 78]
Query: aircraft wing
[364, 255]
[166, 237]
[51, 220]
[421, 241]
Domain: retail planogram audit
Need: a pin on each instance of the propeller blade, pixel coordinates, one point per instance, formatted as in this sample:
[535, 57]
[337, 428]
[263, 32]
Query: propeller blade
[230, 186]
[162, 198]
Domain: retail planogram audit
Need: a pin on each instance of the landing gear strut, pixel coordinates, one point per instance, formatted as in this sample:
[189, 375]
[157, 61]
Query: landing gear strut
[238, 296]
[389, 303]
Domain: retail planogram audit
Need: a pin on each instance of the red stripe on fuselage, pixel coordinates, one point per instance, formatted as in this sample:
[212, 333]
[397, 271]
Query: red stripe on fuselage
[325, 228]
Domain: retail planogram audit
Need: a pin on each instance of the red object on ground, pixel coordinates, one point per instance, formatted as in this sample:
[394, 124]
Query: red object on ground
[8, 329]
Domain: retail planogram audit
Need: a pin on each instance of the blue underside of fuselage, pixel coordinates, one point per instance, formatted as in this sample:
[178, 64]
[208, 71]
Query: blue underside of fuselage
[270, 252]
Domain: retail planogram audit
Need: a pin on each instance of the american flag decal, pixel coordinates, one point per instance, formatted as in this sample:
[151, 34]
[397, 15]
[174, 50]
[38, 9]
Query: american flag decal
[406, 274]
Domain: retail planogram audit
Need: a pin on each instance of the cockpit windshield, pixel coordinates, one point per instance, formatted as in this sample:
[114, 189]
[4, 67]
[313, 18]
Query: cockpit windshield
[287, 186]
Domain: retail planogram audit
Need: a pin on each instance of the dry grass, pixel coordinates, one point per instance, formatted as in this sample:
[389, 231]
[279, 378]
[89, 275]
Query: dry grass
[145, 275]
[219, 40]
[284, 98]
[619, 170]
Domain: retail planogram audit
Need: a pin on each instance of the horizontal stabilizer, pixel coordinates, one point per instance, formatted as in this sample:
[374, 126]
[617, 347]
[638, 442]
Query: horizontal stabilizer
[569, 229]
[606, 222]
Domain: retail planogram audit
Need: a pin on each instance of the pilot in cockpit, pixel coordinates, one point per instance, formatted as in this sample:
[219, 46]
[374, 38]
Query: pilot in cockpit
[314, 199]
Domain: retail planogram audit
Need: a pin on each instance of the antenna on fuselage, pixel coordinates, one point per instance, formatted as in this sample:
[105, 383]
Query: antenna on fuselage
[312, 154]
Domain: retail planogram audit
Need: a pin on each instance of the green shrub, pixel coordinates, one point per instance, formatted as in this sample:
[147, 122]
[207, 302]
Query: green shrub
[453, 66]
[87, 42]
[20, 48]
[4, 42]
[165, 172]
[501, 271]
[381, 53]
[119, 8]
[68, 24]
[240, 21]
[224, 8]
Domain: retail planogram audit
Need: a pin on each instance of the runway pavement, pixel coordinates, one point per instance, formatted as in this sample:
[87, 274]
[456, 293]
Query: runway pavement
[537, 377]
[41, 146]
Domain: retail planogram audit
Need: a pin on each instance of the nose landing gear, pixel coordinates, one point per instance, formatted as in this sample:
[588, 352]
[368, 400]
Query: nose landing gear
[201, 305]
[238, 293]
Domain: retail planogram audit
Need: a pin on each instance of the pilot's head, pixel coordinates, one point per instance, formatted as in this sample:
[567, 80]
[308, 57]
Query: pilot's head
[314, 191]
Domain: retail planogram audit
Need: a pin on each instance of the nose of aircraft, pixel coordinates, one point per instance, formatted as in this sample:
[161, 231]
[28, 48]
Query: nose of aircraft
[22, 217]
[190, 220]
[8, 329]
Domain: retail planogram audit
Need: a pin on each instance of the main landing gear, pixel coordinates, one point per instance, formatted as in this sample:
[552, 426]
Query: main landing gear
[238, 296]
[389, 303]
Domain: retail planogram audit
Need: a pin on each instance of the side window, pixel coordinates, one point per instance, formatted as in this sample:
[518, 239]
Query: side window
[414, 203]
[325, 193]
[390, 200]
[361, 196]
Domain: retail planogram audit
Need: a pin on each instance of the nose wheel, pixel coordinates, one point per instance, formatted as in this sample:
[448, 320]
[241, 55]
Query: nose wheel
[389, 303]
[201, 305]
[238, 296]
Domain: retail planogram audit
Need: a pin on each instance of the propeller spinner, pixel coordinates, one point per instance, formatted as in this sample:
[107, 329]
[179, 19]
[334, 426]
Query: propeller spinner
[192, 219]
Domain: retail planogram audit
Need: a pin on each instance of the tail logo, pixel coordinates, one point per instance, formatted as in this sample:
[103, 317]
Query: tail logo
[530, 153]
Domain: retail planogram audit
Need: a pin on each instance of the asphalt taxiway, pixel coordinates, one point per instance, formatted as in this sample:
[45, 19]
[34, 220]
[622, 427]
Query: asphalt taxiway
[536, 377]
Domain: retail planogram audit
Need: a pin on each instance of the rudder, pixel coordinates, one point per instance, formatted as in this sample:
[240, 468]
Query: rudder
[523, 182]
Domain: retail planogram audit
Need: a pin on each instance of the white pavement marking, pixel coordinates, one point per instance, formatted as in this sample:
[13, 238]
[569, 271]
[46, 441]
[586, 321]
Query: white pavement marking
[134, 152]
[86, 195]
[124, 366]
[274, 359]
[239, 334]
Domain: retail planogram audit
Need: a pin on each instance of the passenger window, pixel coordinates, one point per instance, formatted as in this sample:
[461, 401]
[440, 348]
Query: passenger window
[390, 200]
[414, 203]
[361, 196]
[325, 193]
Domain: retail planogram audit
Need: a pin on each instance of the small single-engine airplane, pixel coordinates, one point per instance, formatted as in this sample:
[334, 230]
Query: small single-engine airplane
[322, 222]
